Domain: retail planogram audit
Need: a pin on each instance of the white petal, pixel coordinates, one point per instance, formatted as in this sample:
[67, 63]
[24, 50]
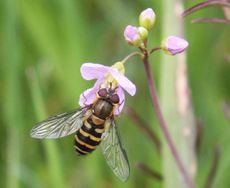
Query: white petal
[90, 71]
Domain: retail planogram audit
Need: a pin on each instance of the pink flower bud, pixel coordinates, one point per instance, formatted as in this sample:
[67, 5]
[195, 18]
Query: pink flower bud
[174, 45]
[147, 18]
[132, 35]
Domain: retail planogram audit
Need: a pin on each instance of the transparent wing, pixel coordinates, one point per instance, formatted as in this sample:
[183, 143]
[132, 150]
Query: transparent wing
[59, 125]
[115, 154]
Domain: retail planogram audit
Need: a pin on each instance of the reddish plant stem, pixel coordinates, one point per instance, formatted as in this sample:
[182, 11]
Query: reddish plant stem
[211, 20]
[205, 5]
[226, 11]
[163, 125]
[199, 133]
[154, 49]
[144, 127]
[214, 167]
[147, 170]
[226, 109]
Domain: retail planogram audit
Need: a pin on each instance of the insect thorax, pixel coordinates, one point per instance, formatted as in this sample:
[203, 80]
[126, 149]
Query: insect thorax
[103, 108]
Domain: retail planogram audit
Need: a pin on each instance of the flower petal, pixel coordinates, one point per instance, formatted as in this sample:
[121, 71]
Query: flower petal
[90, 71]
[89, 95]
[123, 81]
[121, 95]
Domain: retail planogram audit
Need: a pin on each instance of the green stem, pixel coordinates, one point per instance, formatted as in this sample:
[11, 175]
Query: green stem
[131, 55]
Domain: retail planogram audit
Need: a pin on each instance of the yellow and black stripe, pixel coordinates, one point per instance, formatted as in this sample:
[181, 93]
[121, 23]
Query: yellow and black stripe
[89, 135]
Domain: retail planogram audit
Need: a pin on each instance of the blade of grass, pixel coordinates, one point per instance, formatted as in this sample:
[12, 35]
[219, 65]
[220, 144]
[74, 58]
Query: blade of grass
[53, 155]
[12, 98]
[175, 101]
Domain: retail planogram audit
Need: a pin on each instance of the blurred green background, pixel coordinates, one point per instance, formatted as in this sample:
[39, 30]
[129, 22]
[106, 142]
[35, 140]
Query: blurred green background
[42, 46]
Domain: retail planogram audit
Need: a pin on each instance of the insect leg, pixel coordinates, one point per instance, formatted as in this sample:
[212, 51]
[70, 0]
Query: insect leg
[107, 127]
[85, 99]
[120, 105]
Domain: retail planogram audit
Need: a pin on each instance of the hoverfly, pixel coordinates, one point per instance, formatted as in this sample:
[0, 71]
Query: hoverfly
[93, 124]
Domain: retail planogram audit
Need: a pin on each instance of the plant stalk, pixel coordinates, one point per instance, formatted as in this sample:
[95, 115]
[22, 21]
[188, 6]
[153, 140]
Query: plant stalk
[163, 126]
[176, 103]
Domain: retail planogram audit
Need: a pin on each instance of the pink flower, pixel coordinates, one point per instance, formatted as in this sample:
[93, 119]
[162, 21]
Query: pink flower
[174, 45]
[147, 18]
[106, 76]
[132, 35]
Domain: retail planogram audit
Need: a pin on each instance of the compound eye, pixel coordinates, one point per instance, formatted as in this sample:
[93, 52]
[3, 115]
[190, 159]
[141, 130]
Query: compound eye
[102, 92]
[115, 99]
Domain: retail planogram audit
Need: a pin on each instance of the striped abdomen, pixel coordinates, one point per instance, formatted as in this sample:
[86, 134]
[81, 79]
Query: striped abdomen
[89, 135]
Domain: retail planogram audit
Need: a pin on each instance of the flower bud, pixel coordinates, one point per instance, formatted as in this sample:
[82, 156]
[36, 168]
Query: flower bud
[143, 33]
[147, 18]
[132, 36]
[174, 45]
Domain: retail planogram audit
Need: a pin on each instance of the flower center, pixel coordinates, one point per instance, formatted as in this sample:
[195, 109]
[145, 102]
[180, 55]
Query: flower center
[120, 67]
[109, 79]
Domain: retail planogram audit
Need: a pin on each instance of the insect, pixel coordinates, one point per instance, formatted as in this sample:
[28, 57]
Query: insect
[93, 124]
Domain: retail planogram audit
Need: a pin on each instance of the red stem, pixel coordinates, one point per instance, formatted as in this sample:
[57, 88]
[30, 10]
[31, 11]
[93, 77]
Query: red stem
[214, 167]
[144, 127]
[163, 125]
[211, 20]
[154, 49]
[204, 5]
[147, 170]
